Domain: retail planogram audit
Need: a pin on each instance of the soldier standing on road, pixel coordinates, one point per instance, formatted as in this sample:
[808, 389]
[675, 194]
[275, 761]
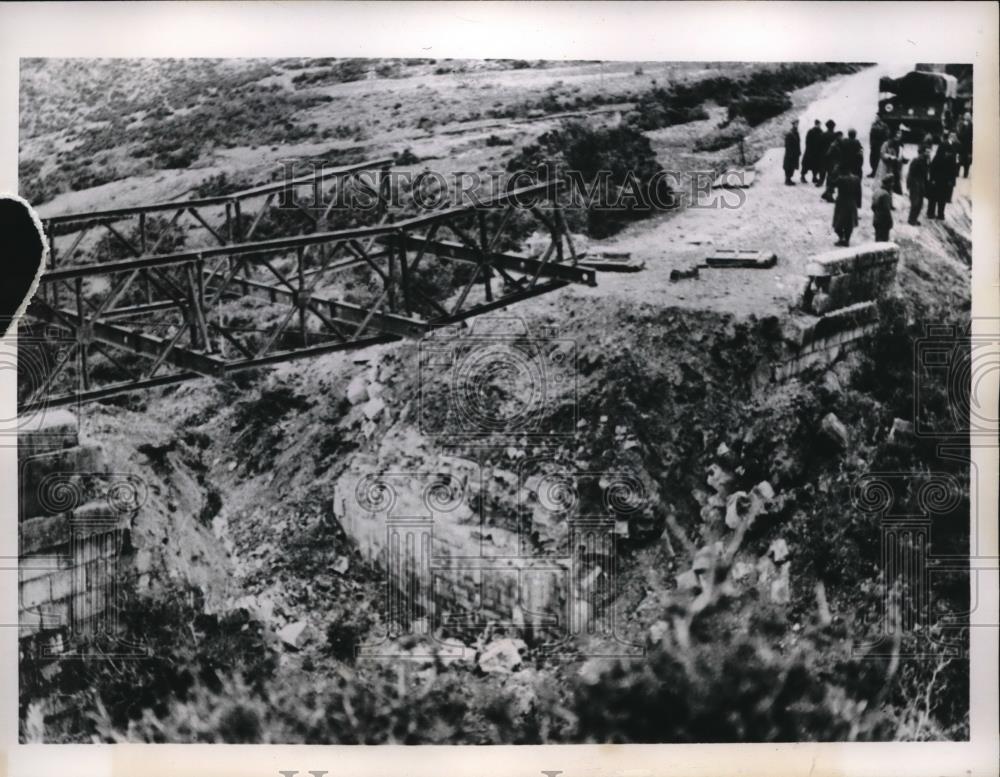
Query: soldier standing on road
[882, 209]
[878, 134]
[964, 132]
[941, 175]
[793, 150]
[852, 155]
[825, 142]
[845, 212]
[916, 185]
[833, 162]
[811, 158]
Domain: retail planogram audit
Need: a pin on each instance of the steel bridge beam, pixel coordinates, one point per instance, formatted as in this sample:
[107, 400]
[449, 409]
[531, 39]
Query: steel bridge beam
[341, 312]
[129, 340]
[256, 191]
[453, 250]
[282, 244]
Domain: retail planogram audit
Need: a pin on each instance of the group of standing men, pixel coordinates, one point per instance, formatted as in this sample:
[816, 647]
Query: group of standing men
[836, 163]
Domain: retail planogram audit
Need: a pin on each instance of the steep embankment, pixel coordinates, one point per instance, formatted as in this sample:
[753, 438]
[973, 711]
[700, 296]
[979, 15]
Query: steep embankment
[736, 498]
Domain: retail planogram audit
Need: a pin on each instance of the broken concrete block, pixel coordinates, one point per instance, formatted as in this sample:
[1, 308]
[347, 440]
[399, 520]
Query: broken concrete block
[658, 632]
[901, 430]
[293, 635]
[778, 551]
[373, 408]
[502, 656]
[687, 581]
[835, 431]
[763, 490]
[357, 390]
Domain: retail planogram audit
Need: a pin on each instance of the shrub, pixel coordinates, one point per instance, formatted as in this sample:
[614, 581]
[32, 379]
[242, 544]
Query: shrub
[723, 137]
[730, 689]
[757, 108]
[184, 649]
[496, 140]
[617, 156]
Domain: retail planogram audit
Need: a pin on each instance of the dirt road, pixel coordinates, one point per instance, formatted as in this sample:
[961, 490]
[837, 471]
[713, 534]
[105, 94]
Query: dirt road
[793, 222]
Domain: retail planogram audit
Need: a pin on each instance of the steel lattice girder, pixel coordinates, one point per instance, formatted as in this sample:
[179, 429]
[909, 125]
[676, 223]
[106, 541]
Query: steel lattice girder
[185, 295]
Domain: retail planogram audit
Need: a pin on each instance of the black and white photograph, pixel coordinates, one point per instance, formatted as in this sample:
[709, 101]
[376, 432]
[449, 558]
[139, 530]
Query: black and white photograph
[405, 400]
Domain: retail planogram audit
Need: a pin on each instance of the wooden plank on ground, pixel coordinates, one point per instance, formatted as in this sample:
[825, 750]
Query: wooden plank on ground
[741, 257]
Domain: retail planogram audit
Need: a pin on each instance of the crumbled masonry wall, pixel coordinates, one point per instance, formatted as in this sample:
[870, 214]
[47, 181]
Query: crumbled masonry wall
[74, 519]
[459, 542]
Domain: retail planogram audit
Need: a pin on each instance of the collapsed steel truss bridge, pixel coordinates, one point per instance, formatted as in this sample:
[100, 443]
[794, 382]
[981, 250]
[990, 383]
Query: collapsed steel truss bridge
[152, 312]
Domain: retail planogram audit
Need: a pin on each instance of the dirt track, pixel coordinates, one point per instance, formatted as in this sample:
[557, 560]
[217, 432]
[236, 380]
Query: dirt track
[793, 222]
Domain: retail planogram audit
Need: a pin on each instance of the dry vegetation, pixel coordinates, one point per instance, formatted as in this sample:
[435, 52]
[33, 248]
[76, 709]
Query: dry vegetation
[675, 389]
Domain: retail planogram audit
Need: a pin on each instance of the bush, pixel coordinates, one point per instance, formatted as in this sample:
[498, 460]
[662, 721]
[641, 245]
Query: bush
[757, 108]
[185, 650]
[730, 689]
[723, 137]
[622, 155]
[659, 108]
[221, 184]
[495, 140]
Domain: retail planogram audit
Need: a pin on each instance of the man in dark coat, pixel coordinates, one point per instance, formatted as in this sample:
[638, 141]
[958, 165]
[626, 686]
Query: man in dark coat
[882, 210]
[916, 185]
[833, 163]
[793, 150]
[941, 175]
[824, 146]
[877, 135]
[964, 132]
[845, 212]
[811, 158]
[852, 155]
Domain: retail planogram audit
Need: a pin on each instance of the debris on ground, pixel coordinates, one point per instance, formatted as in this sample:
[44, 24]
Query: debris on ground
[294, 635]
[612, 261]
[502, 656]
[835, 431]
[742, 257]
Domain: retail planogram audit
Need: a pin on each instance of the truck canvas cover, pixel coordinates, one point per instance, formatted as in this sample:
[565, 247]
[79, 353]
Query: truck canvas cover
[920, 85]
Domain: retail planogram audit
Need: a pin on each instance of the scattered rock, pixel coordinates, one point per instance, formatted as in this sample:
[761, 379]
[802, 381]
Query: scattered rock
[763, 490]
[719, 479]
[687, 581]
[781, 589]
[658, 631]
[741, 570]
[738, 509]
[373, 408]
[835, 431]
[293, 635]
[502, 656]
[451, 650]
[341, 564]
[357, 390]
[901, 430]
[778, 551]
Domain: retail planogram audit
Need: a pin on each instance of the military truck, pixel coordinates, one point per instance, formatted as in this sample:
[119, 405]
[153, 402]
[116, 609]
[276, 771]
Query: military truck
[927, 100]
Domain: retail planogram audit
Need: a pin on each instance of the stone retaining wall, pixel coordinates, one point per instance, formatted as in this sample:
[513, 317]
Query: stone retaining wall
[74, 520]
[839, 305]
